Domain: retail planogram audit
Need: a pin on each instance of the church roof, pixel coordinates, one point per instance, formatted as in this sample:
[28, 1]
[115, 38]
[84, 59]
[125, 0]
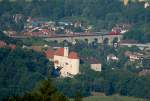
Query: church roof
[73, 55]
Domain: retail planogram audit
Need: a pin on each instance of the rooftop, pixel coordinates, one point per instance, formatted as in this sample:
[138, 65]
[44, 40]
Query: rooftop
[60, 52]
[73, 55]
[2, 44]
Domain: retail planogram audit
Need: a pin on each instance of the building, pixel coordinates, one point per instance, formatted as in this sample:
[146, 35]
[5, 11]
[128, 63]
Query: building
[133, 56]
[125, 2]
[93, 62]
[95, 65]
[144, 72]
[64, 61]
[147, 5]
[2, 44]
[112, 57]
[12, 46]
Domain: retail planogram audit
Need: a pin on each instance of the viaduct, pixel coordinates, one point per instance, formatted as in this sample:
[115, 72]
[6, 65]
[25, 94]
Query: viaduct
[73, 38]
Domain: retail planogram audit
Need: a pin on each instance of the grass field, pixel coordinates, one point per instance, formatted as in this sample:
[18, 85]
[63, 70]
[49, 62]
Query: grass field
[112, 98]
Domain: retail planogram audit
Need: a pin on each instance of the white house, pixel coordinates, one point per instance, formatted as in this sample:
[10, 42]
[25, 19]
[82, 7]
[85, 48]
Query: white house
[146, 5]
[67, 62]
[133, 56]
[94, 63]
[112, 57]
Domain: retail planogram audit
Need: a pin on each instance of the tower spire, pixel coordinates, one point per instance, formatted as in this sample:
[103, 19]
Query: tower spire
[125, 2]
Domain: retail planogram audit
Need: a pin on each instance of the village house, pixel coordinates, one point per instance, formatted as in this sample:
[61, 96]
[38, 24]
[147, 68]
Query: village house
[144, 72]
[4, 44]
[12, 46]
[93, 62]
[147, 5]
[112, 57]
[65, 61]
[133, 56]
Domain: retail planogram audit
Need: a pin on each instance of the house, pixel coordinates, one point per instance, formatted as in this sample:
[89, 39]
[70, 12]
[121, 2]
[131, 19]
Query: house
[93, 62]
[2, 44]
[144, 72]
[147, 5]
[64, 61]
[133, 56]
[112, 57]
[12, 46]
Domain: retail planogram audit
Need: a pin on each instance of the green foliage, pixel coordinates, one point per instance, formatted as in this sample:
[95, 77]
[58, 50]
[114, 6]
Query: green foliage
[8, 40]
[45, 91]
[137, 34]
[18, 68]
[78, 97]
[112, 98]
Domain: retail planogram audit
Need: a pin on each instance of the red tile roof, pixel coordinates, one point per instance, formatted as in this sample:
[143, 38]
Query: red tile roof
[60, 52]
[45, 31]
[12, 46]
[114, 33]
[73, 55]
[49, 53]
[2, 44]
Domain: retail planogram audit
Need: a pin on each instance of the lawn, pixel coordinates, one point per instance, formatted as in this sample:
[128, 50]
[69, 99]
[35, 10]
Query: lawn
[112, 98]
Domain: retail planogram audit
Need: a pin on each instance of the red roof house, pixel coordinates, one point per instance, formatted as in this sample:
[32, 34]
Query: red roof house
[49, 53]
[73, 55]
[60, 52]
[2, 44]
[12, 46]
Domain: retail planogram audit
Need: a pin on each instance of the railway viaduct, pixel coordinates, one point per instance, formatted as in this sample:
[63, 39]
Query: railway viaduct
[89, 38]
[73, 38]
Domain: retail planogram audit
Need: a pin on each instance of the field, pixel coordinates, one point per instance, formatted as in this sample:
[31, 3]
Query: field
[112, 98]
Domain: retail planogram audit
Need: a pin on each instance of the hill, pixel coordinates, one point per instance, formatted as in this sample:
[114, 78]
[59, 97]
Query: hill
[111, 98]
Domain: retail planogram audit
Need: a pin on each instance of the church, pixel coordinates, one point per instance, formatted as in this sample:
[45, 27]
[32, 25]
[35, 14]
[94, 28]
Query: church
[66, 62]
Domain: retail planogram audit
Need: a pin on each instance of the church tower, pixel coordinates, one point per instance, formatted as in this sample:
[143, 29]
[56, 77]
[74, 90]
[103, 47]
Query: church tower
[125, 2]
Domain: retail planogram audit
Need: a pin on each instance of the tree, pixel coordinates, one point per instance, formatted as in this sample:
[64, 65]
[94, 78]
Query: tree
[45, 91]
[78, 97]
[136, 34]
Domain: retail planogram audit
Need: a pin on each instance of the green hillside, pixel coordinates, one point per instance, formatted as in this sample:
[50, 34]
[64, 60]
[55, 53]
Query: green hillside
[112, 98]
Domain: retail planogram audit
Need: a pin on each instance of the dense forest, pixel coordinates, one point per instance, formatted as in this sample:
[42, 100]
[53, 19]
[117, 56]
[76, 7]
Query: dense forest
[102, 14]
[18, 67]
[110, 82]
[44, 91]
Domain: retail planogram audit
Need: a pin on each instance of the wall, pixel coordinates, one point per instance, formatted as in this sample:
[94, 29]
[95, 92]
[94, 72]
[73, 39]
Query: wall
[96, 67]
[70, 66]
